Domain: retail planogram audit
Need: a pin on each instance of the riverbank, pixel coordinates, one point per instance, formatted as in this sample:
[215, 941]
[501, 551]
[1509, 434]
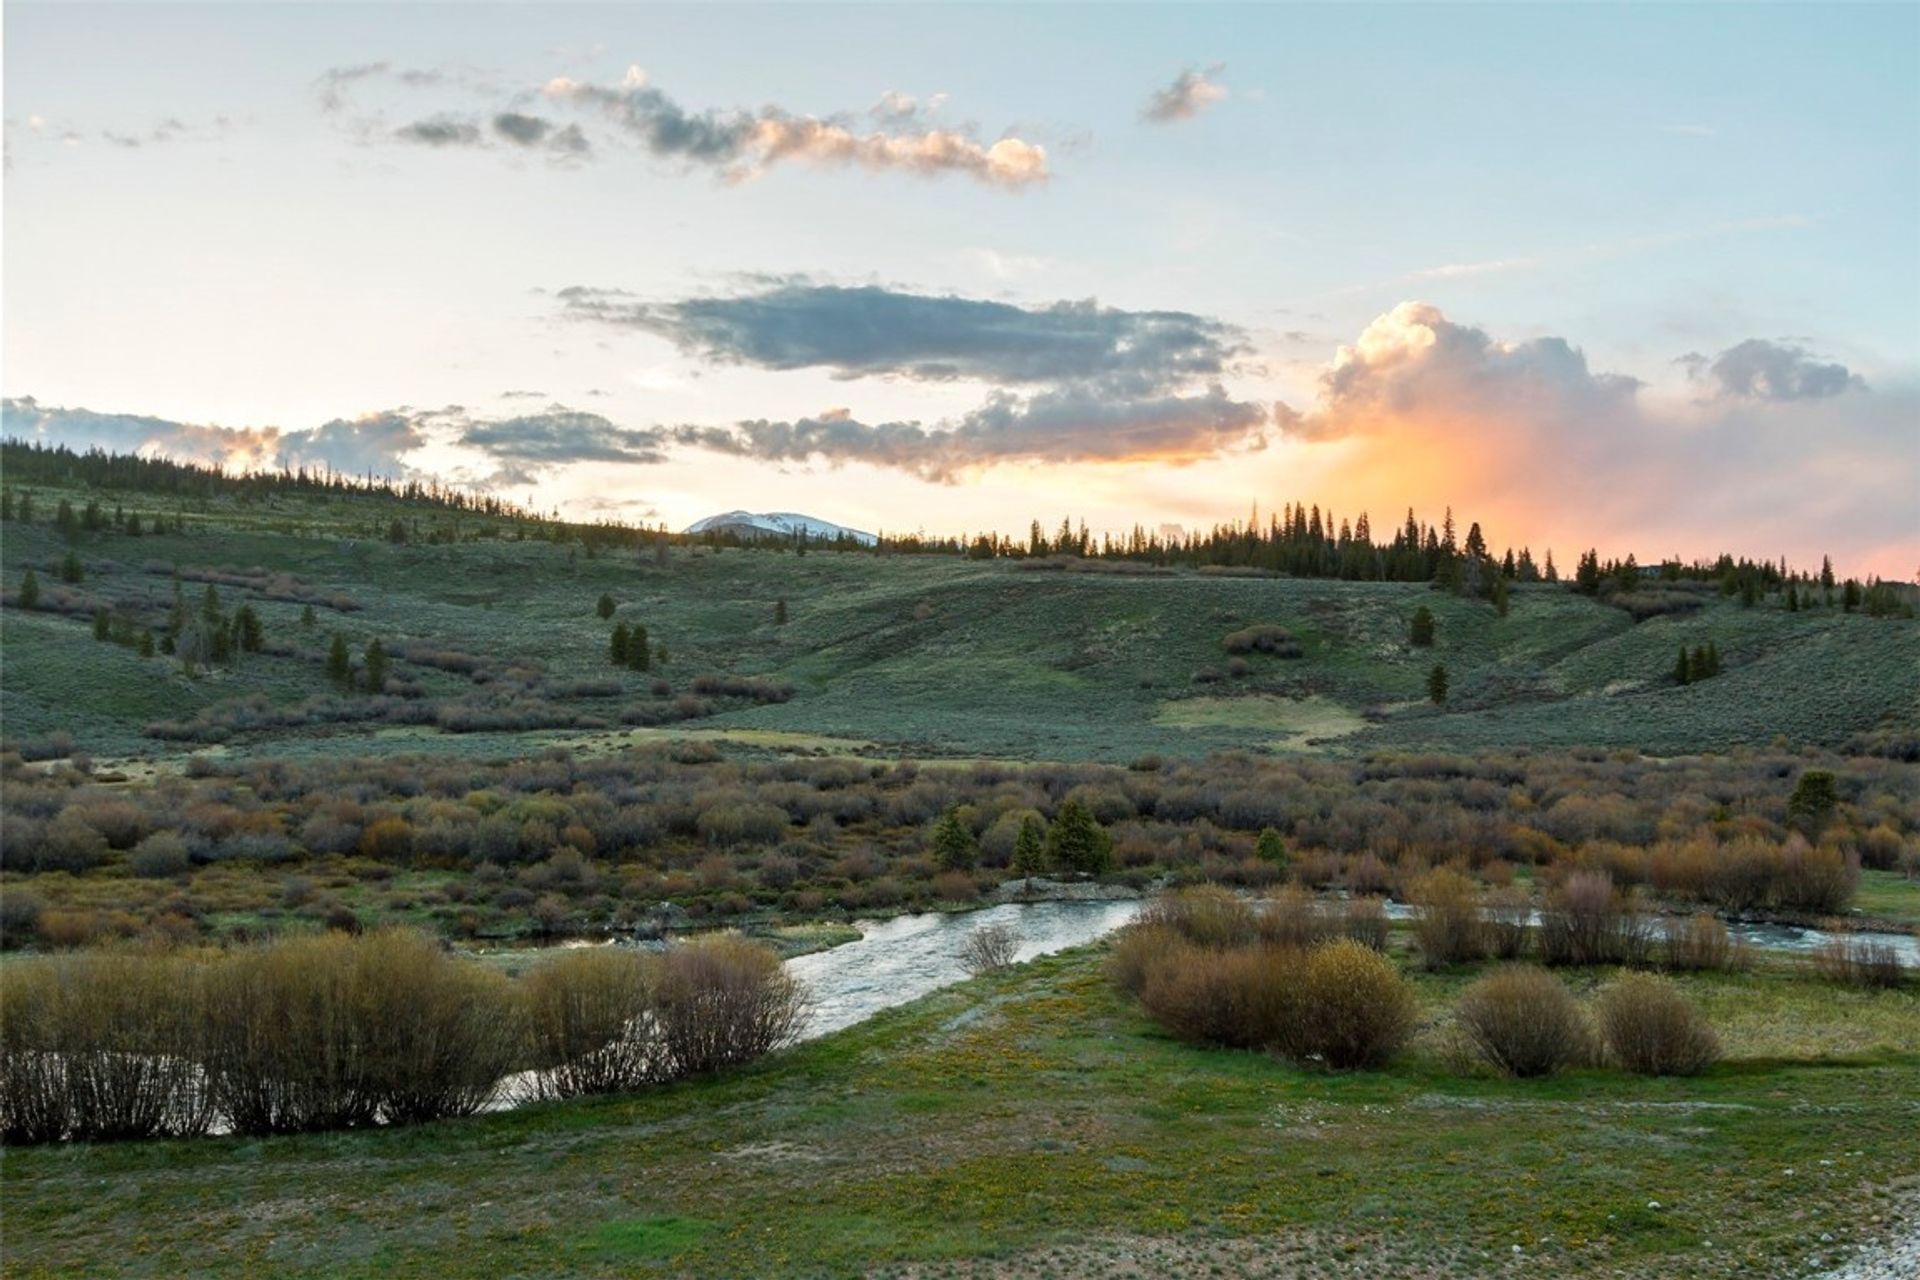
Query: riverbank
[1032, 1123]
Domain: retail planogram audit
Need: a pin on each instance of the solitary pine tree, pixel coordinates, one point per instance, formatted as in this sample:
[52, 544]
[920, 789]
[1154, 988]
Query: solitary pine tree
[1077, 842]
[306, 618]
[1271, 849]
[30, 591]
[248, 634]
[1683, 669]
[102, 623]
[71, 570]
[780, 612]
[605, 607]
[1850, 595]
[376, 660]
[1030, 846]
[1814, 798]
[1437, 684]
[617, 646]
[639, 650]
[339, 664]
[953, 844]
[1713, 658]
[146, 644]
[1422, 632]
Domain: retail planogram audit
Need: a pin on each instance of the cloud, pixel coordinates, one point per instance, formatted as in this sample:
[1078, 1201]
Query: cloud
[743, 144]
[1413, 359]
[872, 331]
[560, 437]
[1422, 409]
[1061, 425]
[1772, 371]
[1192, 91]
[440, 131]
[334, 85]
[371, 444]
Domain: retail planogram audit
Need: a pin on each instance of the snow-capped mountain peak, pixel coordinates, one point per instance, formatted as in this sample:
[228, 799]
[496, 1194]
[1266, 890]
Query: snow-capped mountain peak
[778, 524]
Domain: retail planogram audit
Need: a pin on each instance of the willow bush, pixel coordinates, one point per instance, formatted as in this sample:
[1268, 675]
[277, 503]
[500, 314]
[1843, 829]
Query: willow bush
[589, 1022]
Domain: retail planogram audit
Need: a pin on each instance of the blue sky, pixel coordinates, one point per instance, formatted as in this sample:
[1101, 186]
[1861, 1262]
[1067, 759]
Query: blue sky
[1641, 184]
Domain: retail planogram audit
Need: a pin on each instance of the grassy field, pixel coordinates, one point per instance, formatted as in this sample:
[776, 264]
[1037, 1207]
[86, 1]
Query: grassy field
[1031, 1123]
[936, 656]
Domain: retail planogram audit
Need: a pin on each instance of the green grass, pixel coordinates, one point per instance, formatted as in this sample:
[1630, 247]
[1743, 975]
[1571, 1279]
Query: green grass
[1056, 1134]
[1888, 895]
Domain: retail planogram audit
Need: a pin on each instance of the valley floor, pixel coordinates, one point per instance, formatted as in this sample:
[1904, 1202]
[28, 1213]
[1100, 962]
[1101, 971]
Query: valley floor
[1033, 1123]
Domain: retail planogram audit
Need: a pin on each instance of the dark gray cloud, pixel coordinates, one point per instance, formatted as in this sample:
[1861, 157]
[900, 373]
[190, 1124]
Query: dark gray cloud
[1773, 371]
[561, 436]
[1059, 425]
[1192, 91]
[869, 331]
[440, 131]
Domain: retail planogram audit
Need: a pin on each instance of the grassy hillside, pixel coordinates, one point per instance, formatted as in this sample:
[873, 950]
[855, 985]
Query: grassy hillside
[923, 654]
[1034, 1124]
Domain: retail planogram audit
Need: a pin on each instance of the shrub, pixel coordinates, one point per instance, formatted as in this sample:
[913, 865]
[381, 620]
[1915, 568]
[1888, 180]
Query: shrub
[588, 1023]
[955, 886]
[1204, 915]
[20, 912]
[1447, 921]
[1858, 962]
[159, 856]
[723, 1001]
[1509, 921]
[1134, 952]
[1651, 1028]
[989, 947]
[1291, 917]
[1699, 942]
[1523, 1021]
[1587, 922]
[1357, 1009]
[1236, 998]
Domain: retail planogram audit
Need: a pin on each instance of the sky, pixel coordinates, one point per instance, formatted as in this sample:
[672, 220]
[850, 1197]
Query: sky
[1633, 277]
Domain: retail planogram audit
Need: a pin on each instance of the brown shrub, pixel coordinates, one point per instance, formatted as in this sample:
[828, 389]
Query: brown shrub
[1699, 942]
[1239, 998]
[1135, 951]
[1651, 1028]
[1292, 917]
[722, 1001]
[1858, 962]
[955, 886]
[1356, 1009]
[1205, 915]
[588, 1025]
[1447, 921]
[989, 947]
[1523, 1021]
[1587, 922]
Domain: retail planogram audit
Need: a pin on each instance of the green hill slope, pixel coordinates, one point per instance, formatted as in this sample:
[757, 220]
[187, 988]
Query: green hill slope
[926, 654]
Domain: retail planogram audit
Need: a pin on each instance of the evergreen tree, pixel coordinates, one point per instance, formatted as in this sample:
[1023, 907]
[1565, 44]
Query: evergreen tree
[1793, 598]
[65, 521]
[1077, 842]
[617, 646]
[6, 504]
[376, 661]
[146, 644]
[1749, 591]
[1586, 578]
[1030, 846]
[780, 612]
[1271, 849]
[1713, 658]
[210, 605]
[1850, 595]
[26, 508]
[1437, 684]
[1551, 574]
[102, 623]
[1499, 596]
[30, 591]
[248, 634]
[339, 664]
[1422, 630]
[397, 531]
[1683, 669]
[306, 618]
[605, 607]
[639, 650]
[1826, 574]
[71, 570]
[1813, 800]
[954, 846]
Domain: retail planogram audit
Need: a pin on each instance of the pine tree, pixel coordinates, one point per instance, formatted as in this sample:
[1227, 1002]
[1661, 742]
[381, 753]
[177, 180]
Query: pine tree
[1077, 842]
[1586, 578]
[1551, 574]
[102, 623]
[1850, 595]
[1030, 846]
[146, 644]
[1793, 598]
[306, 618]
[65, 521]
[1437, 684]
[1713, 658]
[339, 664]
[617, 646]
[605, 607]
[1499, 596]
[1270, 848]
[1814, 799]
[210, 605]
[1422, 631]
[247, 631]
[954, 846]
[30, 591]
[71, 570]
[376, 660]
[780, 612]
[639, 650]
[1683, 669]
